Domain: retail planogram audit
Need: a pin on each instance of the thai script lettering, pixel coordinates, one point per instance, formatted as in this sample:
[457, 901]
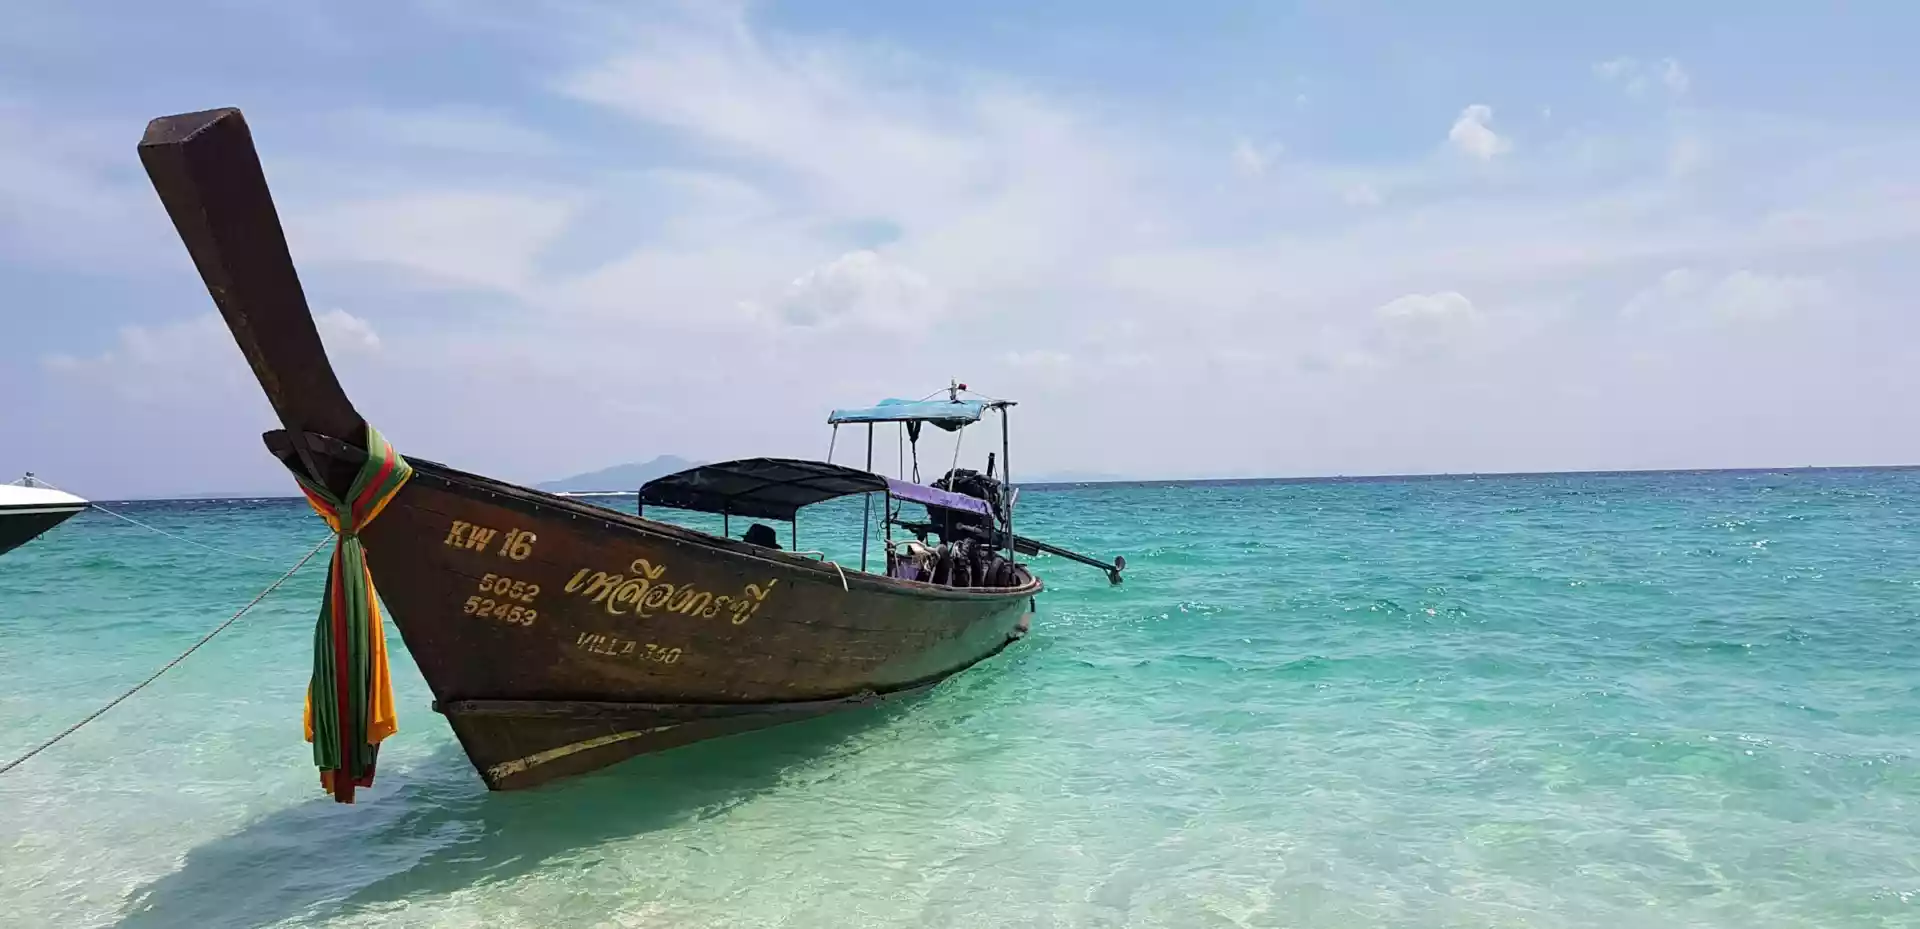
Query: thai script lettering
[643, 591]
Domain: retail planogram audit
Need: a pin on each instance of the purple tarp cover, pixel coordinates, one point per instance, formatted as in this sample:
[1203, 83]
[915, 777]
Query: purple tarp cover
[934, 496]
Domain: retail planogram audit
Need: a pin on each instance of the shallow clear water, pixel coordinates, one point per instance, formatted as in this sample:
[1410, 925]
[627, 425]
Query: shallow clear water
[1651, 700]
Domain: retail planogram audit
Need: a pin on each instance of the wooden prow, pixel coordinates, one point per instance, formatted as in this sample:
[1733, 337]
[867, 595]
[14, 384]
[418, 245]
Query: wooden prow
[204, 167]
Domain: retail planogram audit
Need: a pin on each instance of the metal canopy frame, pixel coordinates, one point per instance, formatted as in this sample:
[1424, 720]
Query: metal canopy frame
[778, 488]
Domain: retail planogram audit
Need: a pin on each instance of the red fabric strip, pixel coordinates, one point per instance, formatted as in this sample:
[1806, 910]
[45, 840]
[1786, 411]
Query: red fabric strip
[318, 502]
[373, 488]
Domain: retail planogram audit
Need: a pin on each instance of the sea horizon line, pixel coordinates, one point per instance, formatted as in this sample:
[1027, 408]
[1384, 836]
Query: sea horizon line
[292, 494]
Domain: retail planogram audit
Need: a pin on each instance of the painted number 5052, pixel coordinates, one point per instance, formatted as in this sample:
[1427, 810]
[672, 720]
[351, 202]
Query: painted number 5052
[509, 588]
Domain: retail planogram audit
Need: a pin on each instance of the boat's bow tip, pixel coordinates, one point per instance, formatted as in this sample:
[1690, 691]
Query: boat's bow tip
[207, 173]
[182, 127]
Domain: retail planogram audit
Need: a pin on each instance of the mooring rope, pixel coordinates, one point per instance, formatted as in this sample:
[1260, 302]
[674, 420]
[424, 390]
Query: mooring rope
[37, 482]
[96, 714]
[836, 567]
[176, 538]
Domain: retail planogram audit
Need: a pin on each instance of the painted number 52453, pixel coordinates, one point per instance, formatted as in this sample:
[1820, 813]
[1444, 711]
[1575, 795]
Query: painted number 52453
[500, 609]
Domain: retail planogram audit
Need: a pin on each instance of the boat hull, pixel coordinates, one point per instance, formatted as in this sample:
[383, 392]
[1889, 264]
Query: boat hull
[22, 524]
[560, 637]
[520, 744]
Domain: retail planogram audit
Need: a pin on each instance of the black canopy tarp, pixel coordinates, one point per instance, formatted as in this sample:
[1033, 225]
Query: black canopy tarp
[764, 488]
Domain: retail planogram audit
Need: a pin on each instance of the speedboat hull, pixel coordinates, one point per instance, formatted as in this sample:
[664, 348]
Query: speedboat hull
[27, 511]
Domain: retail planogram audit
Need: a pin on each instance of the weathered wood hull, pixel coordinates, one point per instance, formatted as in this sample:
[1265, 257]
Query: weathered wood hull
[559, 637]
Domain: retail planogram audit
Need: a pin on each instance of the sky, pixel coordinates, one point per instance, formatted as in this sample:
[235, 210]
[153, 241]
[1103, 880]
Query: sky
[1196, 239]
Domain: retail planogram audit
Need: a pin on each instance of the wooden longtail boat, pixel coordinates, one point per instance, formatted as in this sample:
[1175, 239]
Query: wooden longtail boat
[559, 637]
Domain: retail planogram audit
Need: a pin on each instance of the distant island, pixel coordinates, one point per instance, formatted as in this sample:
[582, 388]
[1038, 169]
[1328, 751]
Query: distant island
[620, 477]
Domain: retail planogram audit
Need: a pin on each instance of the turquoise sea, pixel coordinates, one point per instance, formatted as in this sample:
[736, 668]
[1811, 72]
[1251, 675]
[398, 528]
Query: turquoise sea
[1647, 700]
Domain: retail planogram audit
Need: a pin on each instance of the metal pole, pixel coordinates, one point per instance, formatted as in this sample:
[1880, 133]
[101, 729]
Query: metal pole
[726, 528]
[866, 522]
[793, 538]
[1006, 478]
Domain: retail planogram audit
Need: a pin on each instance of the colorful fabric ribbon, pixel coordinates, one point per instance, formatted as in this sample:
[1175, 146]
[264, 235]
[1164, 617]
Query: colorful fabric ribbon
[350, 696]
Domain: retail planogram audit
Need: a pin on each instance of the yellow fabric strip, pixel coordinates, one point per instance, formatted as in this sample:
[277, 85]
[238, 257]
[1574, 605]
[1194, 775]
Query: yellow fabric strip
[383, 721]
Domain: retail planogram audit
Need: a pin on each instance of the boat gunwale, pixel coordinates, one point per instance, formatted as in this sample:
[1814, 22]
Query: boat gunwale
[526, 498]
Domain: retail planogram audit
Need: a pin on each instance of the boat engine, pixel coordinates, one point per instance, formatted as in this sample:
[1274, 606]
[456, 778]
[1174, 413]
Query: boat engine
[973, 484]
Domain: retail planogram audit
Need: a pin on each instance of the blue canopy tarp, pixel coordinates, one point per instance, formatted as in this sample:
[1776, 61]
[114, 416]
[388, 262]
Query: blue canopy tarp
[947, 414]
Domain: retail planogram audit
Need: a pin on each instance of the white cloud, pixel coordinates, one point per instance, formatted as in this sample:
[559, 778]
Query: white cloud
[1672, 287]
[1739, 296]
[864, 138]
[344, 333]
[1687, 156]
[1363, 195]
[1038, 358]
[1674, 77]
[453, 239]
[1415, 326]
[1472, 135]
[1436, 309]
[1030, 370]
[455, 129]
[995, 186]
[145, 345]
[202, 343]
[64, 195]
[159, 365]
[1638, 77]
[1746, 295]
[1252, 160]
[861, 287]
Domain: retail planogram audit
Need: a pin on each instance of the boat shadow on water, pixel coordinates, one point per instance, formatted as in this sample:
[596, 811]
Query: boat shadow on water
[438, 830]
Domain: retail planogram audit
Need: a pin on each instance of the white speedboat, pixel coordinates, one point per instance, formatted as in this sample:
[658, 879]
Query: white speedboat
[28, 508]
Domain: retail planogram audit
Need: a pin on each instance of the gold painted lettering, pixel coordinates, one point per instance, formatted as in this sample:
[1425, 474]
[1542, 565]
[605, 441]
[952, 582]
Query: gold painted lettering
[456, 536]
[508, 587]
[656, 598]
[617, 647]
[644, 593]
[629, 594]
[744, 610]
[478, 537]
[602, 586]
[518, 544]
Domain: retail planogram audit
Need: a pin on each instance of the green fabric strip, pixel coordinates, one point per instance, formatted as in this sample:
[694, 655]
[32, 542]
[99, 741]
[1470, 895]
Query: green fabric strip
[379, 478]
